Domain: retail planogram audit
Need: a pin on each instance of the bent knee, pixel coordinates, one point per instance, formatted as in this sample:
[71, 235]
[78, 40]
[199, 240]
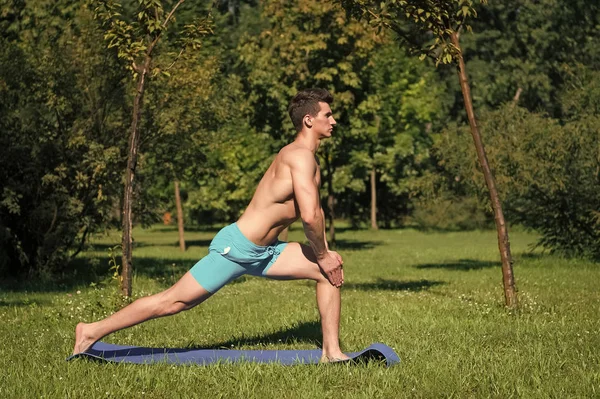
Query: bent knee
[320, 277]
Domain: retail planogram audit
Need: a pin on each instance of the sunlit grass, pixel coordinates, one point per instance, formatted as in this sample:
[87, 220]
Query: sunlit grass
[434, 297]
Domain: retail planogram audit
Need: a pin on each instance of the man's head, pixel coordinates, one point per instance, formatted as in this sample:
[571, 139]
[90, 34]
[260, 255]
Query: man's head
[310, 108]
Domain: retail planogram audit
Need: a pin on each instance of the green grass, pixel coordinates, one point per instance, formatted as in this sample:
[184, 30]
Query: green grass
[435, 297]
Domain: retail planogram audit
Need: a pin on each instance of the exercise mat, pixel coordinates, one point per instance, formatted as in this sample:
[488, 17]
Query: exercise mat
[141, 355]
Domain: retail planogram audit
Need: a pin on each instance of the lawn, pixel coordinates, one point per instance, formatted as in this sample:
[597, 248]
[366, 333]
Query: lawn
[436, 298]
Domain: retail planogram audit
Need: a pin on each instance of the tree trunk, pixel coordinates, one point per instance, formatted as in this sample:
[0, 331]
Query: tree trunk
[134, 141]
[179, 216]
[510, 294]
[373, 200]
[517, 96]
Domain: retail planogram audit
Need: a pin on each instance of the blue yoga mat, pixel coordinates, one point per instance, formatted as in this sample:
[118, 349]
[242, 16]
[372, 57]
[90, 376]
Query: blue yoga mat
[141, 355]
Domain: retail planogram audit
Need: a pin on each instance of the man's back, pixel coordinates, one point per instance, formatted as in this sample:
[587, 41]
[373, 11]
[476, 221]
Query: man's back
[274, 206]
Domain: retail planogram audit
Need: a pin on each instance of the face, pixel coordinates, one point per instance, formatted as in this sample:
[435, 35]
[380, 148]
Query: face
[323, 123]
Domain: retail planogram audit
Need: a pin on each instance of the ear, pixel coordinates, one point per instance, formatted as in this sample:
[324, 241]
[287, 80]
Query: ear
[308, 121]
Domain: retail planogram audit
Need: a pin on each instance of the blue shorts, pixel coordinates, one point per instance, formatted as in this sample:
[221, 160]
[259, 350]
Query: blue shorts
[231, 255]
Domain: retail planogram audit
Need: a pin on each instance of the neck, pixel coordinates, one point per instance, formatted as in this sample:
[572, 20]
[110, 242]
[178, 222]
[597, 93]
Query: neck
[308, 141]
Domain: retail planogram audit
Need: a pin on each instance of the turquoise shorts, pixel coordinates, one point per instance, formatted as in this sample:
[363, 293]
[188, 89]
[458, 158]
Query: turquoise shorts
[231, 255]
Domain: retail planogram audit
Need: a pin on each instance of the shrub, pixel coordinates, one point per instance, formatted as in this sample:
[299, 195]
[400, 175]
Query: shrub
[450, 213]
[547, 173]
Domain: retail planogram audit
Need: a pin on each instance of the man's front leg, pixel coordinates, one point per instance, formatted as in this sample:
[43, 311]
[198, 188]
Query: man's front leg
[329, 303]
[298, 261]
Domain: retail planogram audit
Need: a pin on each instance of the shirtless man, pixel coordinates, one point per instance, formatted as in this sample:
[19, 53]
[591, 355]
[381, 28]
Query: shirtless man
[288, 190]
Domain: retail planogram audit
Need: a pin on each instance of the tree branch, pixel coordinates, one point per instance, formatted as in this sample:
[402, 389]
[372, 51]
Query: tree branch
[81, 243]
[175, 60]
[164, 25]
[172, 12]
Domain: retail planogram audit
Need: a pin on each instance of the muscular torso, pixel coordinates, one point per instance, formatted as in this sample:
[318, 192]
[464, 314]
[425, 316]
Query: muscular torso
[273, 206]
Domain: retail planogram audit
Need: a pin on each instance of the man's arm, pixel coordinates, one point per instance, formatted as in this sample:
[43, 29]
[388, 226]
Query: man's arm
[303, 169]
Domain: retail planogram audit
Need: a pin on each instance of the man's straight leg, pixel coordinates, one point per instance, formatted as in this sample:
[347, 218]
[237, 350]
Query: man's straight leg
[183, 295]
[298, 261]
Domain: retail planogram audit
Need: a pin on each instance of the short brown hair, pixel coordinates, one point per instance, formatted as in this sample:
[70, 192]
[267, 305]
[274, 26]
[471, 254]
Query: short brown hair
[307, 102]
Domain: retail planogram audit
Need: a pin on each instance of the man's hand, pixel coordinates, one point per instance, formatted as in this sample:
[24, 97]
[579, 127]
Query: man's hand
[331, 265]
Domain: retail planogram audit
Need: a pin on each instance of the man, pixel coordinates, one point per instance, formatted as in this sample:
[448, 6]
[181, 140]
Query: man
[289, 190]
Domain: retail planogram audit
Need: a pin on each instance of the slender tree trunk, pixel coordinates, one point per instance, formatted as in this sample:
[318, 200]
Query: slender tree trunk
[517, 96]
[373, 200]
[510, 294]
[179, 216]
[134, 141]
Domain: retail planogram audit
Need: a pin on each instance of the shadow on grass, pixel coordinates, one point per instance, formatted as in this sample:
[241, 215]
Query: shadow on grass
[193, 243]
[196, 229]
[83, 271]
[531, 255]
[462, 264]
[22, 302]
[162, 267]
[97, 247]
[356, 245]
[393, 285]
[443, 230]
[305, 332]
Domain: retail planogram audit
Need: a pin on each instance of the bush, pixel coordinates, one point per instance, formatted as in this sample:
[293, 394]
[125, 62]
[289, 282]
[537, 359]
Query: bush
[60, 157]
[547, 174]
[450, 213]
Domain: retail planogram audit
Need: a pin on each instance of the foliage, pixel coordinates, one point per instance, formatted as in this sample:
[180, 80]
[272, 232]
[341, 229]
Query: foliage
[60, 150]
[134, 37]
[307, 44]
[216, 114]
[196, 130]
[425, 26]
[391, 131]
[449, 213]
[529, 45]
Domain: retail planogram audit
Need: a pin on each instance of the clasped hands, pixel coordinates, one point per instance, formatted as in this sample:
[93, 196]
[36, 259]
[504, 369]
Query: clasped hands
[332, 266]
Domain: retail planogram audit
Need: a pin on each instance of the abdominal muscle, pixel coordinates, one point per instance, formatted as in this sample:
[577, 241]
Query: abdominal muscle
[273, 207]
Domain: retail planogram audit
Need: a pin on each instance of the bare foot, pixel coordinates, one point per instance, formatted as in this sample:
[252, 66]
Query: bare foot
[83, 340]
[337, 357]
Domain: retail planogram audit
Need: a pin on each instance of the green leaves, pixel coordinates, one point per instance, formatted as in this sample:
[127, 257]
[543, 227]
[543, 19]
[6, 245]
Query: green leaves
[10, 201]
[415, 20]
[192, 35]
[133, 40]
[123, 36]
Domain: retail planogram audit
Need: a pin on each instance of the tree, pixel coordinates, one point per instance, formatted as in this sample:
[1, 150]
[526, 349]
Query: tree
[433, 28]
[391, 132]
[60, 151]
[136, 43]
[548, 170]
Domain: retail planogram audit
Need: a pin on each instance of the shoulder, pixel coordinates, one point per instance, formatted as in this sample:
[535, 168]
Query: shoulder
[298, 157]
